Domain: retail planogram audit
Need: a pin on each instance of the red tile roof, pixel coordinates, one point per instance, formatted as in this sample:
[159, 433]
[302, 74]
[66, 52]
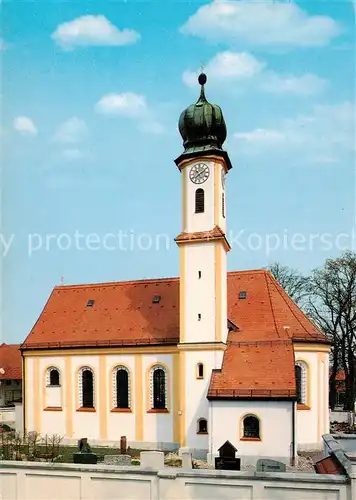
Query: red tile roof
[10, 362]
[255, 370]
[123, 313]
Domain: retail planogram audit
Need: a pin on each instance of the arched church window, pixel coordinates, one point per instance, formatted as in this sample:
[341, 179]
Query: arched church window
[301, 382]
[53, 378]
[158, 388]
[86, 387]
[121, 387]
[202, 426]
[251, 427]
[199, 201]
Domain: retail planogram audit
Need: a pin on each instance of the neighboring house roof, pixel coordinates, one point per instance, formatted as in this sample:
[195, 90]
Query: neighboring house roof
[10, 362]
[259, 355]
[124, 313]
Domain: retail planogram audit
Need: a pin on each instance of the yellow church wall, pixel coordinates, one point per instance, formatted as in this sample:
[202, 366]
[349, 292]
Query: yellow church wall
[158, 426]
[103, 422]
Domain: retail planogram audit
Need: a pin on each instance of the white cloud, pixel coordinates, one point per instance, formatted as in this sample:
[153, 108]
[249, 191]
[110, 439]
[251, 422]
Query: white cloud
[304, 85]
[227, 66]
[323, 136]
[242, 67]
[261, 135]
[73, 154]
[72, 131]
[133, 106]
[92, 30]
[24, 125]
[127, 104]
[261, 23]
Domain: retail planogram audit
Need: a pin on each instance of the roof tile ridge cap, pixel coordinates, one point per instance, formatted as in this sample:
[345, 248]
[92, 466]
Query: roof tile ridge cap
[248, 271]
[270, 302]
[116, 283]
[38, 319]
[285, 296]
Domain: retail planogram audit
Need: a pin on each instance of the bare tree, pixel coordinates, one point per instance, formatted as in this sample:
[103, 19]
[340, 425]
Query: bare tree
[332, 306]
[294, 283]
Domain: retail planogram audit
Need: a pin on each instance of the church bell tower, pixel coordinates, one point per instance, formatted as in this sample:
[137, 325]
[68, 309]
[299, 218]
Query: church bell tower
[202, 243]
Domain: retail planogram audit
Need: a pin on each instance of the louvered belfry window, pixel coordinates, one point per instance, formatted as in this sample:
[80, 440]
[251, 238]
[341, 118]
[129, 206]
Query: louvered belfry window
[199, 201]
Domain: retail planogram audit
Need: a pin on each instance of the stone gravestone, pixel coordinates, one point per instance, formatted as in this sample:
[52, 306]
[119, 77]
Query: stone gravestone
[227, 459]
[85, 455]
[267, 465]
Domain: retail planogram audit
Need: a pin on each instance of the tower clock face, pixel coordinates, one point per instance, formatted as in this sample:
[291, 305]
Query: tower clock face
[199, 173]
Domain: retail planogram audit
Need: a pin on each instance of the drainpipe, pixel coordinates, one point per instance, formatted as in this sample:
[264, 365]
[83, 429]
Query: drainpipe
[23, 395]
[293, 434]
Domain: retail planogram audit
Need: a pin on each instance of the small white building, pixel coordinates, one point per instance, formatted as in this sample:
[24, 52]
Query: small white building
[186, 362]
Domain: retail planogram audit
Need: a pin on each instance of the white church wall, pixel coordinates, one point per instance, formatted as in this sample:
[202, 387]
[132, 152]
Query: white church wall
[196, 405]
[120, 423]
[275, 429]
[157, 427]
[200, 257]
[313, 421]
[28, 394]
[85, 423]
[201, 221]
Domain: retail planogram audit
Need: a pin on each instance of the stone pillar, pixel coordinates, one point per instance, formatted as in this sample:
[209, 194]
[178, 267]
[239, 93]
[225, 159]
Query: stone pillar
[152, 459]
[186, 460]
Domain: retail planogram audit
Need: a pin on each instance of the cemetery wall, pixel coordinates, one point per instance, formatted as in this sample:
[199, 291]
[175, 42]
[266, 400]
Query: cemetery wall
[35, 481]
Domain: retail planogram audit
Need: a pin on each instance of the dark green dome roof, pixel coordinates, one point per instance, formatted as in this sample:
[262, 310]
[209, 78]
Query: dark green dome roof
[202, 124]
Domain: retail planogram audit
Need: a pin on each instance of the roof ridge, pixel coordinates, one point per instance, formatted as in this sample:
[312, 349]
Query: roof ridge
[248, 271]
[282, 292]
[148, 280]
[117, 283]
[270, 304]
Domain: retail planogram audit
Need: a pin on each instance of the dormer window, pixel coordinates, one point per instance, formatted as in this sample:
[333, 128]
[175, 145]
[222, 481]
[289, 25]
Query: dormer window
[242, 295]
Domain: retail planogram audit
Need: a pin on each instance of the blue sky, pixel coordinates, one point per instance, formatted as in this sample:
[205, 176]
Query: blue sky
[91, 96]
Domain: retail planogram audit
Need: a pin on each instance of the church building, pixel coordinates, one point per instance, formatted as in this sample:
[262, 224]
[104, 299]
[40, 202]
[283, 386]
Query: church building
[186, 362]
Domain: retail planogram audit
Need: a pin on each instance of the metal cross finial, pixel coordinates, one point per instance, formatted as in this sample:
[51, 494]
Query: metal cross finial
[62, 280]
[202, 66]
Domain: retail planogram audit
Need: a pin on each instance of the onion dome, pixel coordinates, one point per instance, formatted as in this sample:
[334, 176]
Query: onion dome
[202, 125]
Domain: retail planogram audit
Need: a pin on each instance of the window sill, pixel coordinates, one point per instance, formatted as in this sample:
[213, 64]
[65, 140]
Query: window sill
[203, 433]
[250, 439]
[52, 408]
[303, 407]
[89, 410]
[50, 385]
[200, 378]
[158, 410]
[121, 410]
